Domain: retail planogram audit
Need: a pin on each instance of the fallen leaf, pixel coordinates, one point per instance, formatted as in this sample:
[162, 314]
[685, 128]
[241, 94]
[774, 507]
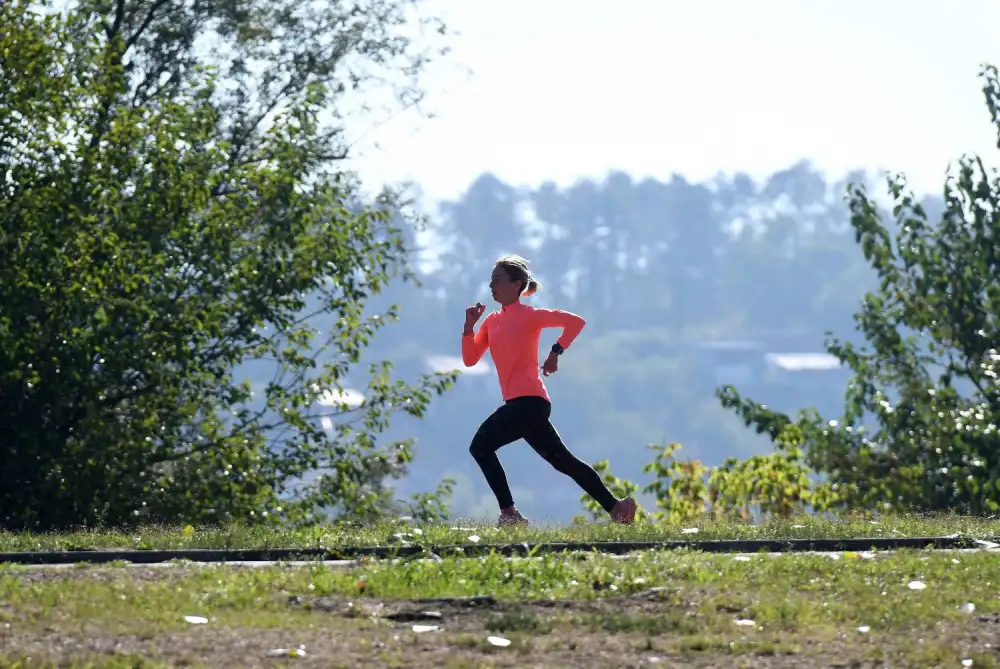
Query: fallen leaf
[287, 652]
[420, 629]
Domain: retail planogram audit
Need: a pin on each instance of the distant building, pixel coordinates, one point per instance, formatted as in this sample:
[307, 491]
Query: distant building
[751, 361]
[801, 368]
[802, 362]
[450, 363]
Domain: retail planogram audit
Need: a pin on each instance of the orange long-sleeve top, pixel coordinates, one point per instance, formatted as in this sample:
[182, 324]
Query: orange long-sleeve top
[512, 335]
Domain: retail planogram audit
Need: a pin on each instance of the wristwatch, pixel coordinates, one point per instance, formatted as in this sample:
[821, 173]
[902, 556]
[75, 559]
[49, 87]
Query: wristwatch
[557, 349]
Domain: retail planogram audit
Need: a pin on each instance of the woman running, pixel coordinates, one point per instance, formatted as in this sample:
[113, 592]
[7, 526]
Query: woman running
[512, 336]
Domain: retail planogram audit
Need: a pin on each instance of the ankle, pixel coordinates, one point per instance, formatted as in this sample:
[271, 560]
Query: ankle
[618, 504]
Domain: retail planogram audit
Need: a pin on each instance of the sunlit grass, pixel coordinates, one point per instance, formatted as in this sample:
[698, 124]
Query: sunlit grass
[464, 532]
[790, 592]
[704, 603]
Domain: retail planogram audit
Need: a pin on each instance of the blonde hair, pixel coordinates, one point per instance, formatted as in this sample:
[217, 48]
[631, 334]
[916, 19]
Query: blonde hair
[517, 269]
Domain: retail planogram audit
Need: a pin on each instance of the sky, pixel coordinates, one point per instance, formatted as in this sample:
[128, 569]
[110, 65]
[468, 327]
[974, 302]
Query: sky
[540, 90]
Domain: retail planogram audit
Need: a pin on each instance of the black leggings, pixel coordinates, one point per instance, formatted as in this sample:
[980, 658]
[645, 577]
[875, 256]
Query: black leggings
[528, 418]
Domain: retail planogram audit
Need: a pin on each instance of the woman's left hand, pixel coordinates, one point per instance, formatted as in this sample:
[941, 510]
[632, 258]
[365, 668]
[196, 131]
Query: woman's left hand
[551, 364]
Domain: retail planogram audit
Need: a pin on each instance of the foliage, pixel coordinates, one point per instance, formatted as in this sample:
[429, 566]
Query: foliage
[170, 214]
[918, 430]
[429, 507]
[762, 487]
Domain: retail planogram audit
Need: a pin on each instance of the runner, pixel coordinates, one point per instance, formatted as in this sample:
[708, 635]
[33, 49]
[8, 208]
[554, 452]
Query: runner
[512, 336]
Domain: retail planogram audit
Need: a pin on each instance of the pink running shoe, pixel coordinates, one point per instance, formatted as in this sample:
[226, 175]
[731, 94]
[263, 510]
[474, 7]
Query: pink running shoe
[512, 519]
[624, 511]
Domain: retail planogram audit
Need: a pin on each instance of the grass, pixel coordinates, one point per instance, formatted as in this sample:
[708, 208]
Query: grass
[662, 608]
[678, 608]
[402, 532]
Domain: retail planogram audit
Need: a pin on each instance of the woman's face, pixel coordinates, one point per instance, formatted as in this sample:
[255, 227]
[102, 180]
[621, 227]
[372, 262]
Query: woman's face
[504, 290]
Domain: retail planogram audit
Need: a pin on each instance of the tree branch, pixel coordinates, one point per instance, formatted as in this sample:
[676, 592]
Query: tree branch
[130, 42]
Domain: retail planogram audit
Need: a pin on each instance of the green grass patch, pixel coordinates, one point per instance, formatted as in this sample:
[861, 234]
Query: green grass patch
[789, 592]
[673, 604]
[402, 532]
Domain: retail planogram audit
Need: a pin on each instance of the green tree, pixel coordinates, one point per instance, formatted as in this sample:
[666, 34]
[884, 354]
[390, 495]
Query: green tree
[172, 211]
[918, 430]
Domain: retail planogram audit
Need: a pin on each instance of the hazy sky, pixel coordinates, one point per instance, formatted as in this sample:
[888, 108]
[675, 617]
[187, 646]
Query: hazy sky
[560, 90]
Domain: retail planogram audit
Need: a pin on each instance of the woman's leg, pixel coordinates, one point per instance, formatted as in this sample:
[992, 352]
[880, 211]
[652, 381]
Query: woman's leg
[547, 443]
[502, 427]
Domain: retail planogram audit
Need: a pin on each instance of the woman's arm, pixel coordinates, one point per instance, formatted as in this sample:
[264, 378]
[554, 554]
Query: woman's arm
[570, 323]
[474, 344]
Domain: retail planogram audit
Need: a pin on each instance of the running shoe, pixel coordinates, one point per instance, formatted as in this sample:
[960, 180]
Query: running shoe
[624, 511]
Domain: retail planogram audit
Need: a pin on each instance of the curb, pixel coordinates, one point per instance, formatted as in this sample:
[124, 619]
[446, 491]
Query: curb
[507, 550]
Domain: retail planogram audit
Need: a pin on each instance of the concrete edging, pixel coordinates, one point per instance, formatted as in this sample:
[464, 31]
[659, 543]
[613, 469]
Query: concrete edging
[506, 550]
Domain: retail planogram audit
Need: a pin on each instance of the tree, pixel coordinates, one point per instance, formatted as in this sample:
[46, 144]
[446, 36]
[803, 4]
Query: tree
[171, 213]
[919, 428]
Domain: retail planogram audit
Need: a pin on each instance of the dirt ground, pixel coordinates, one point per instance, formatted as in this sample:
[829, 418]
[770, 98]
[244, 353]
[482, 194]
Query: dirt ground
[658, 628]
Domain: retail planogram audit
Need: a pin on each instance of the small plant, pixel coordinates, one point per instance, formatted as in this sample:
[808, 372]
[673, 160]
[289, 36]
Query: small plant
[777, 485]
[679, 488]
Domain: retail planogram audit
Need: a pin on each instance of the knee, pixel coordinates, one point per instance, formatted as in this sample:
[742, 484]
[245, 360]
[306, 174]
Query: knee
[479, 448]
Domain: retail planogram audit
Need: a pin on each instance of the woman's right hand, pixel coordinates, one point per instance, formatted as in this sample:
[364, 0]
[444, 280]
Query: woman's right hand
[473, 313]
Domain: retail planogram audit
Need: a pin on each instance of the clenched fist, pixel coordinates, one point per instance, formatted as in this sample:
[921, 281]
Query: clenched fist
[551, 364]
[473, 313]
